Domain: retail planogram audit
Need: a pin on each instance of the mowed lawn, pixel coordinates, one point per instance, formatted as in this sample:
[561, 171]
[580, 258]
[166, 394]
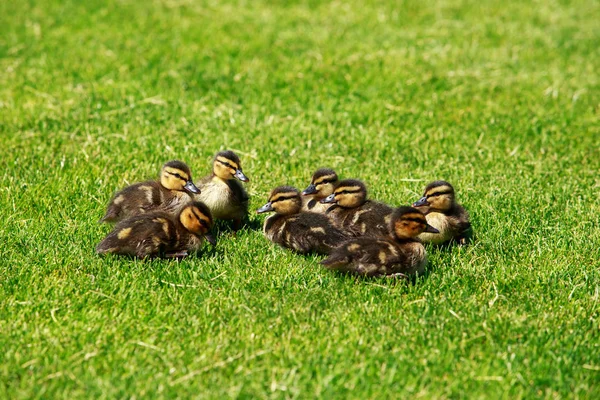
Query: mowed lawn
[500, 98]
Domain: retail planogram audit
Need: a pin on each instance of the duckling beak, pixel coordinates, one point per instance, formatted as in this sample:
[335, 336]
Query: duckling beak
[266, 208]
[210, 239]
[190, 187]
[421, 202]
[329, 199]
[240, 175]
[311, 189]
[431, 229]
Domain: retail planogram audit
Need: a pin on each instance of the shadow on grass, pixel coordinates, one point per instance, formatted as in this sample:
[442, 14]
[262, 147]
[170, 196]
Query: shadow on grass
[389, 280]
[225, 227]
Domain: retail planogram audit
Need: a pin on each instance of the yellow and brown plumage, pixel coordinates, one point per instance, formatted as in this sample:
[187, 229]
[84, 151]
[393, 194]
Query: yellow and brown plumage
[353, 214]
[222, 191]
[173, 189]
[442, 212]
[401, 254]
[160, 233]
[303, 232]
[322, 184]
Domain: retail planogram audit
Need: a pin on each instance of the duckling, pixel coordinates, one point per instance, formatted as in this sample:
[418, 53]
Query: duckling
[160, 233]
[451, 219]
[400, 255]
[303, 232]
[169, 193]
[222, 192]
[353, 214]
[322, 184]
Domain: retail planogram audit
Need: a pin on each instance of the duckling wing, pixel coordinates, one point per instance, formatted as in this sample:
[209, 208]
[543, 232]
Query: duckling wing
[304, 233]
[371, 219]
[239, 195]
[320, 235]
[141, 236]
[463, 225]
[360, 256]
[377, 257]
[136, 199]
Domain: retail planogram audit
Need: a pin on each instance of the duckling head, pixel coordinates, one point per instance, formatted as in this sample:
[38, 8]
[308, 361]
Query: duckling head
[408, 222]
[322, 184]
[226, 166]
[283, 200]
[176, 175]
[438, 196]
[349, 193]
[196, 218]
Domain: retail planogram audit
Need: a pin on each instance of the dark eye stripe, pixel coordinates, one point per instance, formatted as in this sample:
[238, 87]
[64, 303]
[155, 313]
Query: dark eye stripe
[348, 191]
[227, 164]
[203, 222]
[324, 181]
[176, 175]
[414, 220]
[283, 198]
[437, 194]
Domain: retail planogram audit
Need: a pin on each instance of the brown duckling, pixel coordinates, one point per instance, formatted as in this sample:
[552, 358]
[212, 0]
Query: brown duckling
[400, 255]
[451, 219]
[160, 233]
[353, 214]
[222, 192]
[322, 184]
[304, 232]
[169, 193]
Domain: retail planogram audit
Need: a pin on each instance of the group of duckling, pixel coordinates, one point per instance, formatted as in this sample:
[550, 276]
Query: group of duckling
[171, 217]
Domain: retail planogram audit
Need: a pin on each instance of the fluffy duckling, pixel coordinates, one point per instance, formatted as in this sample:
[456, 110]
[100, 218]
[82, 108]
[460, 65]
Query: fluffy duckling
[222, 192]
[169, 193]
[160, 233]
[400, 255]
[353, 214]
[322, 184]
[303, 232]
[451, 219]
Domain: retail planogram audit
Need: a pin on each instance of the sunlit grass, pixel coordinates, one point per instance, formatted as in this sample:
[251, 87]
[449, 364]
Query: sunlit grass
[501, 99]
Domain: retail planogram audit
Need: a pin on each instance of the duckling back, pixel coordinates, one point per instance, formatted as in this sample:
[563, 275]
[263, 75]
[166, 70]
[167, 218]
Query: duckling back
[303, 232]
[138, 199]
[169, 193]
[149, 235]
[378, 257]
[400, 254]
[370, 219]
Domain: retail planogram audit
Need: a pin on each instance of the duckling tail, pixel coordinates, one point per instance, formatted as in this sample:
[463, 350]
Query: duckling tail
[336, 261]
[105, 246]
[333, 240]
[111, 215]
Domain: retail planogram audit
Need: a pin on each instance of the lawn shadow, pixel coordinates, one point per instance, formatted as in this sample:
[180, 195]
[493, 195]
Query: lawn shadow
[389, 280]
[225, 227]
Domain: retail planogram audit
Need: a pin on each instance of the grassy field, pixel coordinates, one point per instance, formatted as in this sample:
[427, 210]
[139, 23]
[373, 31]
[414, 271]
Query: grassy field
[502, 99]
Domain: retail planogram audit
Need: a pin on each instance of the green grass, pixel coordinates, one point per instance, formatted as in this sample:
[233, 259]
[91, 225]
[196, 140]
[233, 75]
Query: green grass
[502, 99]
